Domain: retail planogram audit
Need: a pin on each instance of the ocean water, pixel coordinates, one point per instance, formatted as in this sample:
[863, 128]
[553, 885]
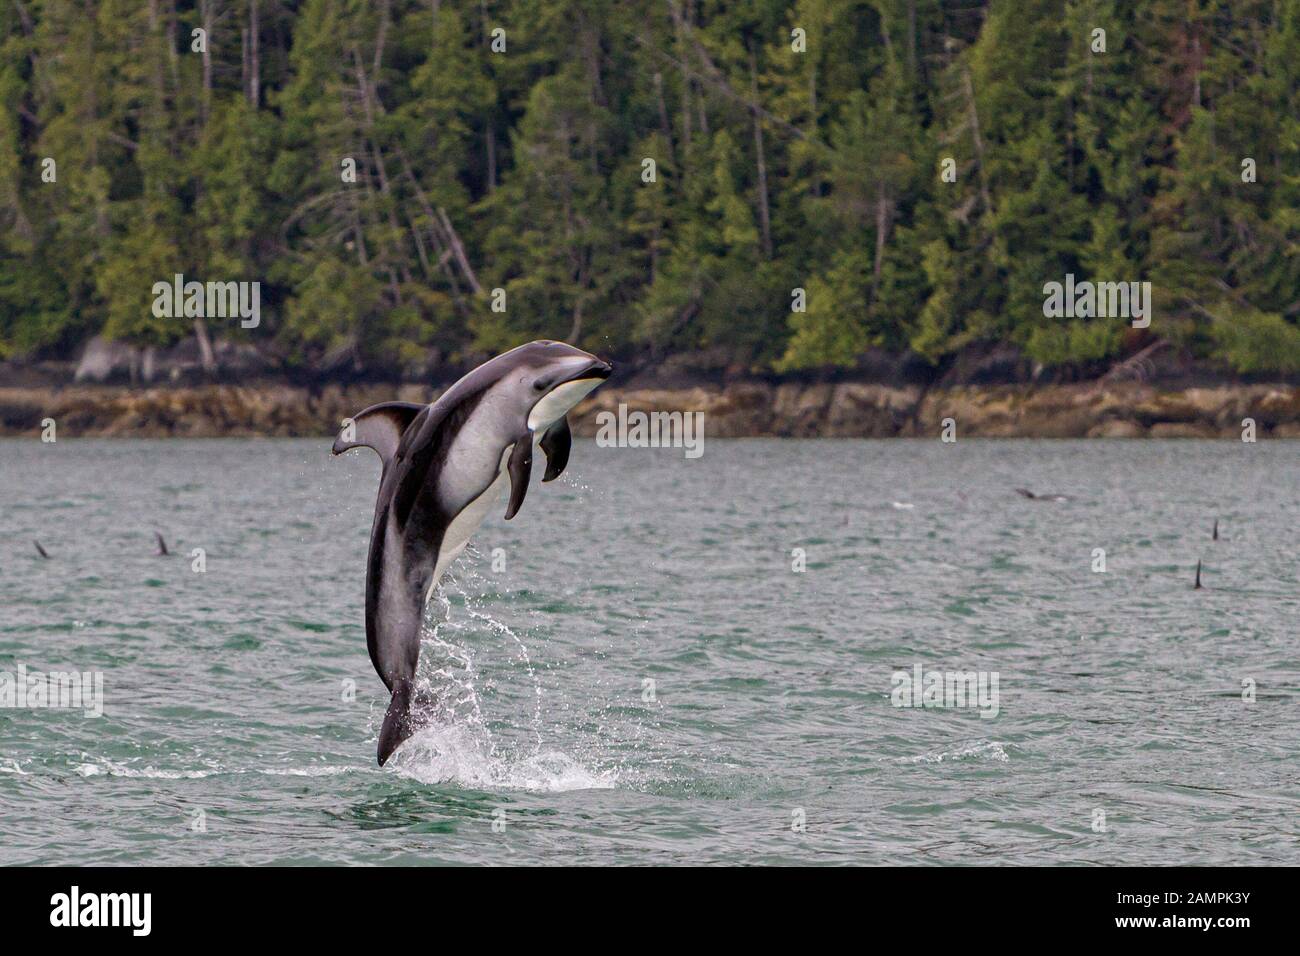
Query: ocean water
[632, 672]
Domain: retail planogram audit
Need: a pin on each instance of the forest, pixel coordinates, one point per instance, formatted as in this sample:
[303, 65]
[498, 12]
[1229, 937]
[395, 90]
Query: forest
[415, 182]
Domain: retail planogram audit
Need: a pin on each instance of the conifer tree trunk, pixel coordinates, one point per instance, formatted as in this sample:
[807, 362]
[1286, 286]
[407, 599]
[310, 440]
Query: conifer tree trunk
[254, 57]
[764, 214]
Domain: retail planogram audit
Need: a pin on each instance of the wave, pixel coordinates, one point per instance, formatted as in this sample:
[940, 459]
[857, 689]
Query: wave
[980, 750]
[108, 768]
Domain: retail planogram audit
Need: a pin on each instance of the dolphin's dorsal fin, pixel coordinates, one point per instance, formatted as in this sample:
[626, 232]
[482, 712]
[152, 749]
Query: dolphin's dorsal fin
[557, 442]
[379, 427]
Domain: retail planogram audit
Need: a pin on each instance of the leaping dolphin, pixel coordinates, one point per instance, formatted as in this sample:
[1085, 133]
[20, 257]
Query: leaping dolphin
[443, 467]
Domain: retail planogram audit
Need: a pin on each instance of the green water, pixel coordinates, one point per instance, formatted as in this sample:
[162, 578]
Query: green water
[230, 733]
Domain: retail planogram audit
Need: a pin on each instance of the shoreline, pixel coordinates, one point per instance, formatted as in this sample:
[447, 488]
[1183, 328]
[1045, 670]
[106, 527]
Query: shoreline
[737, 410]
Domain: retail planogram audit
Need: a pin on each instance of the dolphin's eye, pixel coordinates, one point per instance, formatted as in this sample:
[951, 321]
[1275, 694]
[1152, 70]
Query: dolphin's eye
[539, 385]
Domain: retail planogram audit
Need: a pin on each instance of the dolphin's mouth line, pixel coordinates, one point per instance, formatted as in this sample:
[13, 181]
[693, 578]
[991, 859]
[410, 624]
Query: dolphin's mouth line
[598, 370]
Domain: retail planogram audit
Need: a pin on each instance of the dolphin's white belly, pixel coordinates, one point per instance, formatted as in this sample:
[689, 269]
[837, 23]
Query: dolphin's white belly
[465, 523]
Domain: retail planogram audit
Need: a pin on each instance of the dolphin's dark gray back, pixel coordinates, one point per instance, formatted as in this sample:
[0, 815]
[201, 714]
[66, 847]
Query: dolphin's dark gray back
[404, 484]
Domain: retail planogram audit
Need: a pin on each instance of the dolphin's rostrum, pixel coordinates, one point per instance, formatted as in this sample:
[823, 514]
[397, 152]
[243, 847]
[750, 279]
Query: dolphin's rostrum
[443, 467]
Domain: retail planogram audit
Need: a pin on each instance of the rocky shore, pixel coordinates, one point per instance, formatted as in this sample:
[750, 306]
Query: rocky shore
[742, 409]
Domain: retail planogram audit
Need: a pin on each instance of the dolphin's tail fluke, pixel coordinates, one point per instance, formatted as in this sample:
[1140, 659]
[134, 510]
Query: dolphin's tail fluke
[397, 722]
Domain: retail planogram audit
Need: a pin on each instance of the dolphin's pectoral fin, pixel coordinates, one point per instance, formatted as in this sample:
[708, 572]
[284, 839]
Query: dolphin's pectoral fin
[397, 722]
[521, 469]
[379, 427]
[557, 443]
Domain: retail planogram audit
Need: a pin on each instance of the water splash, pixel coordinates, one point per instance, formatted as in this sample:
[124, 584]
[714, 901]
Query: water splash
[456, 740]
[463, 755]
